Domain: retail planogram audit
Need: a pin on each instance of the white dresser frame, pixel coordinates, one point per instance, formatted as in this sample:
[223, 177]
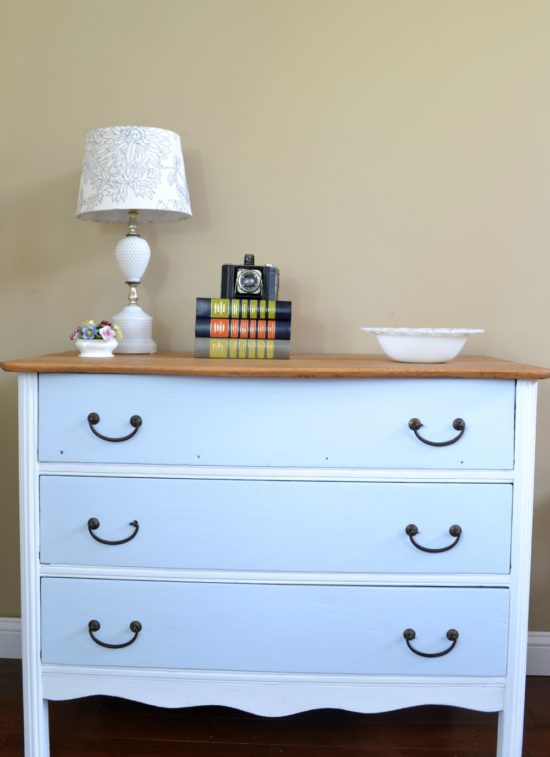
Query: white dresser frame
[275, 694]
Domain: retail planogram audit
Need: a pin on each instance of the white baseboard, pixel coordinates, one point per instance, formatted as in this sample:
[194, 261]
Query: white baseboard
[10, 638]
[538, 654]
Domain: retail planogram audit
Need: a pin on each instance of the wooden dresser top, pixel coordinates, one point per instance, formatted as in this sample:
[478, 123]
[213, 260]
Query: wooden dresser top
[304, 366]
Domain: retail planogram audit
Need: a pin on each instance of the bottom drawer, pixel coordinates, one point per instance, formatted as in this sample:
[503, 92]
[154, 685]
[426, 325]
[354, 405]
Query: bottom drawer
[274, 628]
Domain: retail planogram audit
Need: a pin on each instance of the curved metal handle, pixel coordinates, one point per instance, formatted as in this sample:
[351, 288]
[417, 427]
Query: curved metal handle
[412, 531]
[458, 424]
[95, 625]
[409, 634]
[135, 421]
[93, 525]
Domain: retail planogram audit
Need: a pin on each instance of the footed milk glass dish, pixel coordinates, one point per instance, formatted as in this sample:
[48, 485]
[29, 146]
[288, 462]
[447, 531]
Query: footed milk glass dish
[421, 345]
[96, 347]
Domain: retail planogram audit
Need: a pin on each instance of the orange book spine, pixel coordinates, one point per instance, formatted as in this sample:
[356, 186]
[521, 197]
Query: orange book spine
[241, 328]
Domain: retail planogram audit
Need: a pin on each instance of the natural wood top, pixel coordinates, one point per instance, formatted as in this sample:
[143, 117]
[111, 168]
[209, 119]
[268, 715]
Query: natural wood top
[304, 366]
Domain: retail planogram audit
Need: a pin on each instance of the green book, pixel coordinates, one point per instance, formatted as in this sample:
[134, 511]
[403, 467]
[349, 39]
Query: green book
[244, 349]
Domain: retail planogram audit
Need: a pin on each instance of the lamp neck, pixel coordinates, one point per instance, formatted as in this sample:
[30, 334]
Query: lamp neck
[132, 224]
[133, 296]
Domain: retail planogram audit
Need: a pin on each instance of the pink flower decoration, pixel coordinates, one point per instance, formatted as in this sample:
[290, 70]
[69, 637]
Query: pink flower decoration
[74, 334]
[107, 333]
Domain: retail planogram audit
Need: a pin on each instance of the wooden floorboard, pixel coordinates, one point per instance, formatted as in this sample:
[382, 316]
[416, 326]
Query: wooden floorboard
[106, 727]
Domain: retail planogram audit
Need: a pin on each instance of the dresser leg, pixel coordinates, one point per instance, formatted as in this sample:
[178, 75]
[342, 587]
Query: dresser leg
[35, 707]
[37, 738]
[510, 730]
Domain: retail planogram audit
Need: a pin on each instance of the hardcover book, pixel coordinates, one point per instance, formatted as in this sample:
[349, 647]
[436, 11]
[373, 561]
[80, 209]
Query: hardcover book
[257, 349]
[217, 307]
[242, 328]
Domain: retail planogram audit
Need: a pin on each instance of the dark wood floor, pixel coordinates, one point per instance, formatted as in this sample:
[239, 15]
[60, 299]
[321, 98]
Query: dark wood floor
[105, 727]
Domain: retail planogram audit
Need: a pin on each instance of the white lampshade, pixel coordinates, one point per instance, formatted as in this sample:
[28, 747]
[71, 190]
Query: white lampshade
[133, 168]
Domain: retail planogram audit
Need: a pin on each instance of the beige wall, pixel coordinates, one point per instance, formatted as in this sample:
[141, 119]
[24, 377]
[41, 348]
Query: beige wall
[392, 156]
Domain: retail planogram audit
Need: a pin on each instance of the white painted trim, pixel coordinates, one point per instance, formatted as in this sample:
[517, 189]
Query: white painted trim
[128, 470]
[538, 655]
[266, 577]
[243, 676]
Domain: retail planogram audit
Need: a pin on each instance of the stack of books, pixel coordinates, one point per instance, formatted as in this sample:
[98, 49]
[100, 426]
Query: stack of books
[242, 328]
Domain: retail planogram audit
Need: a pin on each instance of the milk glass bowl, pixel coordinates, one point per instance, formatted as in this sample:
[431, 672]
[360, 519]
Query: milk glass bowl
[419, 345]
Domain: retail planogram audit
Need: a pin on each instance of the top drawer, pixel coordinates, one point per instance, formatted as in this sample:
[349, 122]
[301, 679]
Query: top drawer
[360, 423]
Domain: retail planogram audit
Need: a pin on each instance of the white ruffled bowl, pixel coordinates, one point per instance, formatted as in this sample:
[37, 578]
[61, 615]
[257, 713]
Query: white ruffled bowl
[421, 345]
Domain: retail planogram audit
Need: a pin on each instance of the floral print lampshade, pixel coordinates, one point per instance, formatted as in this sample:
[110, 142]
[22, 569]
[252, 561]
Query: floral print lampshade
[133, 168]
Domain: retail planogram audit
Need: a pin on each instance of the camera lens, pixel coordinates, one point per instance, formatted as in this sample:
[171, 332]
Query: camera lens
[249, 281]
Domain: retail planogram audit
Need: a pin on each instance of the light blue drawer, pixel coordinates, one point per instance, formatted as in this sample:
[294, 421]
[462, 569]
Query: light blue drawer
[277, 422]
[302, 629]
[275, 525]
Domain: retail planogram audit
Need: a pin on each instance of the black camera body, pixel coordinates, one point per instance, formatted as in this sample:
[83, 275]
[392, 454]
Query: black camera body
[250, 281]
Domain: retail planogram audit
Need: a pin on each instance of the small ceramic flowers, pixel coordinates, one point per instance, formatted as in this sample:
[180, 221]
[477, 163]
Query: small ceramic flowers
[96, 338]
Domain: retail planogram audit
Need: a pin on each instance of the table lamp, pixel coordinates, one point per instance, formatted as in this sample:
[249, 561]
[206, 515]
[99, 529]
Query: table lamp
[133, 174]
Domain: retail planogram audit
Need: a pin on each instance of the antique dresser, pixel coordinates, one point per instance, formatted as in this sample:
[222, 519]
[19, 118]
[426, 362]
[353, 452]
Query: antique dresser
[276, 536]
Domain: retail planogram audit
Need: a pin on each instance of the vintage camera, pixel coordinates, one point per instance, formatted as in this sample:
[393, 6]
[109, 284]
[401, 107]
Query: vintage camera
[250, 281]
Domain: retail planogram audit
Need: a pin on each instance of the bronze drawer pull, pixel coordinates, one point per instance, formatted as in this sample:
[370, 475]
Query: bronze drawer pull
[93, 525]
[95, 625]
[412, 531]
[135, 421]
[458, 424]
[409, 634]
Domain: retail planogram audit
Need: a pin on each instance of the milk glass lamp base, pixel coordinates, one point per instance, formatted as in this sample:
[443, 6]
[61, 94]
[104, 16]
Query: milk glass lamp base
[137, 331]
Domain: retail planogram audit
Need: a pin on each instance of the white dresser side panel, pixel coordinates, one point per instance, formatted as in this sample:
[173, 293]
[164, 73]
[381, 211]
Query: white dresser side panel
[510, 731]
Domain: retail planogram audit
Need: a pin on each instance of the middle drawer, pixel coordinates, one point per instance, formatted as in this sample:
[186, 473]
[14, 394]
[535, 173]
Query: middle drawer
[210, 524]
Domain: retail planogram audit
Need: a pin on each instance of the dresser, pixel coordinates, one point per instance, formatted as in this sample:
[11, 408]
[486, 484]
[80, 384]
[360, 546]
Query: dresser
[276, 536]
